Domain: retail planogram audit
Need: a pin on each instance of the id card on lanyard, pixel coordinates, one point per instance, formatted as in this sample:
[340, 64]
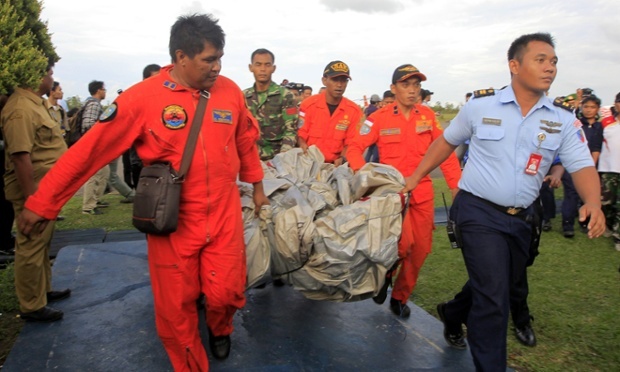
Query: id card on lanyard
[533, 163]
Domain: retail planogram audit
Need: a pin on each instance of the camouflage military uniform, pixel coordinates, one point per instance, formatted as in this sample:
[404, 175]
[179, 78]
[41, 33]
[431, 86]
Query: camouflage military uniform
[611, 202]
[276, 112]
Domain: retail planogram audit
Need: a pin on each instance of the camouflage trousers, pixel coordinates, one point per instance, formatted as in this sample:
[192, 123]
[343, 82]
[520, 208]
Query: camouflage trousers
[610, 199]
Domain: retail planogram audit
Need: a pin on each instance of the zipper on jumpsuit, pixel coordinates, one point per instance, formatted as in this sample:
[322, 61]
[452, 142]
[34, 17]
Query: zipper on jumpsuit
[190, 361]
[204, 155]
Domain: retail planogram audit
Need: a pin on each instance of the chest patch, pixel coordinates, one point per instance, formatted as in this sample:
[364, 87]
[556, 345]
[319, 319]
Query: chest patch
[389, 132]
[343, 125]
[222, 116]
[423, 125]
[174, 117]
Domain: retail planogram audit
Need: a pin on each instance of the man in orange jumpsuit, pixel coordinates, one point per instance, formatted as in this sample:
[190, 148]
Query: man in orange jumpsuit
[329, 120]
[403, 131]
[206, 254]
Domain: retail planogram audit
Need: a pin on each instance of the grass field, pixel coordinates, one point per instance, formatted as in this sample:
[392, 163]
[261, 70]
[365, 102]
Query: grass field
[574, 293]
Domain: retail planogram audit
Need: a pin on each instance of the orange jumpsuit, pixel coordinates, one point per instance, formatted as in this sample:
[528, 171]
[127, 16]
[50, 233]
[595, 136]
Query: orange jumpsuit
[207, 252]
[330, 133]
[402, 144]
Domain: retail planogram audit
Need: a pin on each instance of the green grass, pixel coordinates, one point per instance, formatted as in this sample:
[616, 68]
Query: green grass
[574, 294]
[574, 298]
[115, 217]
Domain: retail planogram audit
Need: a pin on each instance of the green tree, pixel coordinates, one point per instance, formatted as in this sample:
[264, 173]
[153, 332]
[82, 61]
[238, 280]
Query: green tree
[30, 11]
[73, 102]
[21, 62]
[25, 45]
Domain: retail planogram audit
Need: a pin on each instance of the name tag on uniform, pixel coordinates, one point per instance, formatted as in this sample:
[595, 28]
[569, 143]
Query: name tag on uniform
[491, 121]
[533, 163]
[389, 132]
[423, 125]
[341, 126]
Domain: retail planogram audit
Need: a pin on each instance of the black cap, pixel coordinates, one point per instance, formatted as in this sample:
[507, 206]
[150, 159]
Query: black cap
[336, 68]
[617, 98]
[404, 72]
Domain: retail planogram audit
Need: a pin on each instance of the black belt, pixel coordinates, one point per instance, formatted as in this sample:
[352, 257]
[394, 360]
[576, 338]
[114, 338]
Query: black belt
[513, 211]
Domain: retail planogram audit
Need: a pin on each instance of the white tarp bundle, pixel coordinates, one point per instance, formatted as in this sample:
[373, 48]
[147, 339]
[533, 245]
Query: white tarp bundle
[330, 234]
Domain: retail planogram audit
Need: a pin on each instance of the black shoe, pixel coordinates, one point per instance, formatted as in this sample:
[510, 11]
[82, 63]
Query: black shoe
[526, 335]
[220, 345]
[583, 229]
[399, 309]
[102, 204]
[546, 225]
[54, 296]
[382, 295]
[569, 234]
[95, 211]
[127, 200]
[60, 218]
[45, 314]
[452, 336]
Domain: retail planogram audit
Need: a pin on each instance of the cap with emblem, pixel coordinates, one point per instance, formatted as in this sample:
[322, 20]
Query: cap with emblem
[336, 68]
[404, 72]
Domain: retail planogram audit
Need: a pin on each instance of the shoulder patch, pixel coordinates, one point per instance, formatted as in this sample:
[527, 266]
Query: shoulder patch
[109, 113]
[484, 93]
[565, 105]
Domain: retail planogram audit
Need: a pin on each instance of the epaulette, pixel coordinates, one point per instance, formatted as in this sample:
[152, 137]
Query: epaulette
[484, 93]
[565, 105]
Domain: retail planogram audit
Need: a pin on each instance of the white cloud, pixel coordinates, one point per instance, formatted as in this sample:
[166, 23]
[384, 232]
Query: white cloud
[460, 46]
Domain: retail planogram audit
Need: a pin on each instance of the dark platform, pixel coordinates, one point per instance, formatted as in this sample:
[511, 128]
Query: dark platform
[109, 325]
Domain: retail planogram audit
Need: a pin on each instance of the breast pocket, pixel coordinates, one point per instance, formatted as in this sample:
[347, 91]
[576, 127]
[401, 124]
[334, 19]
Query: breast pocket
[490, 138]
[547, 147]
[48, 132]
[390, 146]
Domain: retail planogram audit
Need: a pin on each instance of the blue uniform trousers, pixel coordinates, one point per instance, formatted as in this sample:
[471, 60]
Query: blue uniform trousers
[496, 251]
[570, 204]
[547, 197]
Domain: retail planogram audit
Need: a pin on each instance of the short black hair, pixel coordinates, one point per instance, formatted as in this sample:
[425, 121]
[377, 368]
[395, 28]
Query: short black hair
[517, 48]
[306, 87]
[94, 86]
[469, 94]
[263, 51]
[388, 94]
[149, 69]
[592, 98]
[189, 34]
[56, 85]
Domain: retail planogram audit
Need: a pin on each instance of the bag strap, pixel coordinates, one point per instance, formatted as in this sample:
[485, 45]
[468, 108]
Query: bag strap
[190, 145]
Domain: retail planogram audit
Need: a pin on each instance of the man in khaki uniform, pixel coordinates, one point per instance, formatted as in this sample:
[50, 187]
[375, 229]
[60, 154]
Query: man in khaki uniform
[33, 144]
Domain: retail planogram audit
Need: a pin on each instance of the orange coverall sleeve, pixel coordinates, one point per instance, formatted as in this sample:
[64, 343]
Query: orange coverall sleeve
[250, 170]
[103, 143]
[359, 143]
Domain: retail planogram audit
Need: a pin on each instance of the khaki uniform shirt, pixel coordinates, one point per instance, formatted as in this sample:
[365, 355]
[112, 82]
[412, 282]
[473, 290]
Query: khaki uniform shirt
[28, 127]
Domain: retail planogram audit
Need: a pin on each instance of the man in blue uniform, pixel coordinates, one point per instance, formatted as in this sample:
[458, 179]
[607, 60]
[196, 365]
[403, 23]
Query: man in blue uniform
[515, 134]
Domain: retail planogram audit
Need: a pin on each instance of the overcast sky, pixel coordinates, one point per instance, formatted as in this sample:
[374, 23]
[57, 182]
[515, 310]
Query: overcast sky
[459, 45]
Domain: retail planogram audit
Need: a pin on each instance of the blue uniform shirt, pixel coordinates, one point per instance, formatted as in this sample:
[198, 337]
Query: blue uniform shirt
[502, 141]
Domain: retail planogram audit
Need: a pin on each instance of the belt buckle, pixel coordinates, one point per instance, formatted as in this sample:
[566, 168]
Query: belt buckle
[513, 211]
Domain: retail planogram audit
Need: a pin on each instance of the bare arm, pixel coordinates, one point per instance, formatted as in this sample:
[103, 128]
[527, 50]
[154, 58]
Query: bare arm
[438, 151]
[302, 144]
[588, 186]
[555, 176]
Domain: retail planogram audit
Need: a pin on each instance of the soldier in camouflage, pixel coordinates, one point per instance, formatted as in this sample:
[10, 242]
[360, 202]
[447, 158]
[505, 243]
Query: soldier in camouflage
[273, 106]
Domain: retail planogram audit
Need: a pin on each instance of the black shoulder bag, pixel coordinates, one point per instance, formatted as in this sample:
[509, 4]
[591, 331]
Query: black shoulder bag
[158, 195]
